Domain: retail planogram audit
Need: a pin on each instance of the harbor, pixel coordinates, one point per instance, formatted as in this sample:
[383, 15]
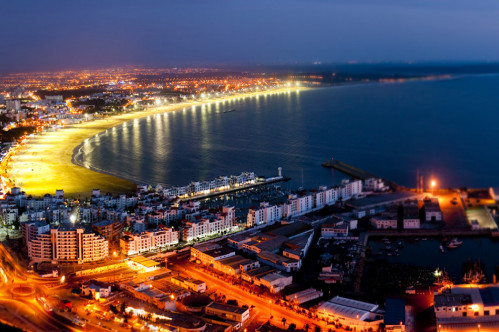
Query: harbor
[222, 186]
[428, 253]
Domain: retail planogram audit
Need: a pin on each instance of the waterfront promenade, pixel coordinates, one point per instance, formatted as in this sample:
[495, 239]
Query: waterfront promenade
[45, 164]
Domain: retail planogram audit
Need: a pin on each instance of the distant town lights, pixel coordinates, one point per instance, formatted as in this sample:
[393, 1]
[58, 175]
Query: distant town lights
[72, 218]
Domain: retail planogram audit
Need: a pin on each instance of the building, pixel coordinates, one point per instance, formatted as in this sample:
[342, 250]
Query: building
[68, 244]
[191, 284]
[209, 253]
[237, 241]
[334, 230]
[387, 219]
[303, 296]
[431, 210]
[297, 247]
[235, 265]
[265, 214]
[229, 312]
[96, 289]
[460, 306]
[31, 230]
[375, 185]
[13, 104]
[410, 218]
[147, 293]
[208, 225]
[330, 275]
[279, 262]
[159, 238]
[352, 313]
[110, 229]
[350, 189]
[143, 264]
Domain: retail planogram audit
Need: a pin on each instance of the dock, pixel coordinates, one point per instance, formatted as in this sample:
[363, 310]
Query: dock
[354, 171]
[236, 189]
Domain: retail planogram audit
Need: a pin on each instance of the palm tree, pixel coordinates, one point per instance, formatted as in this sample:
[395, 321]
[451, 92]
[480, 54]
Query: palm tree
[283, 320]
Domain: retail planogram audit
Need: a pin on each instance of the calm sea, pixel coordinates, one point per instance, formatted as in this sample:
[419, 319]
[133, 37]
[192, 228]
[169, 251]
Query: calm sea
[444, 127]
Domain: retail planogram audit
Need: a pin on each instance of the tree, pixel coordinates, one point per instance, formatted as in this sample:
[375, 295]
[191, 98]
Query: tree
[307, 327]
[317, 329]
[292, 327]
[123, 307]
[283, 320]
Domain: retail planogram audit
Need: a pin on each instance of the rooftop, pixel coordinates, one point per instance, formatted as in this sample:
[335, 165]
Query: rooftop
[383, 199]
[228, 308]
[104, 223]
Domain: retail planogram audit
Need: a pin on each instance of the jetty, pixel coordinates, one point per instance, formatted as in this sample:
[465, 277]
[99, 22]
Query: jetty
[354, 171]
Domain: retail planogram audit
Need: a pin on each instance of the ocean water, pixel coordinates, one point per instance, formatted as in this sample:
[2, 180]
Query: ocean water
[444, 128]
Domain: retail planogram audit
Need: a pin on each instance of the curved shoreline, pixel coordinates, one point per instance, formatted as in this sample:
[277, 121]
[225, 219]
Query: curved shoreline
[52, 154]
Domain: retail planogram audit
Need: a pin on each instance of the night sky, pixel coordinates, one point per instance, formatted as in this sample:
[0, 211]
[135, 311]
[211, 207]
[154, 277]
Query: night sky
[49, 35]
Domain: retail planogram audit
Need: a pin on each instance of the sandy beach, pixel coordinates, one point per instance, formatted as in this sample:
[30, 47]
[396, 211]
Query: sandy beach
[45, 163]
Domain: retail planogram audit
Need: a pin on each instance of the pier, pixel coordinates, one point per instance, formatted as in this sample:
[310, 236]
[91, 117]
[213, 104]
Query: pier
[354, 171]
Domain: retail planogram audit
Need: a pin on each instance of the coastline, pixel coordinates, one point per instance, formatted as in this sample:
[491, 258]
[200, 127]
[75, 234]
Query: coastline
[47, 162]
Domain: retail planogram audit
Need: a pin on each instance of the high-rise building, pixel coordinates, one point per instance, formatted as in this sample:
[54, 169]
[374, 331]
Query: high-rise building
[67, 243]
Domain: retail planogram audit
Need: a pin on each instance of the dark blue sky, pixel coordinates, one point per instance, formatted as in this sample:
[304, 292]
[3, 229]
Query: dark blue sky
[45, 35]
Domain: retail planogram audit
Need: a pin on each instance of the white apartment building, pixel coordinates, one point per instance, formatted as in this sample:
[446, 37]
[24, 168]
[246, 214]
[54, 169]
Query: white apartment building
[265, 214]
[350, 189]
[68, 243]
[326, 196]
[210, 225]
[31, 230]
[149, 240]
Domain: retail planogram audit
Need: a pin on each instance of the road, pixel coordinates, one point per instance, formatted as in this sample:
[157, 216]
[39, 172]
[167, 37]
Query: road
[452, 210]
[25, 311]
[262, 305]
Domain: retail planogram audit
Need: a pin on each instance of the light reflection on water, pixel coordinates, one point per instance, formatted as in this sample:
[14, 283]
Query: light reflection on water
[387, 129]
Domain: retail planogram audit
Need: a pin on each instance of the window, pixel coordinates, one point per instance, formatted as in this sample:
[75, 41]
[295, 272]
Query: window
[476, 313]
[464, 313]
[485, 312]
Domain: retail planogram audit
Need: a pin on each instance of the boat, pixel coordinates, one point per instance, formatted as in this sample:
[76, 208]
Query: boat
[454, 243]
[473, 273]
[441, 278]
[442, 249]
[228, 111]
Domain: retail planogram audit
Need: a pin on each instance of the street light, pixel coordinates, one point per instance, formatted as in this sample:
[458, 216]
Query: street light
[433, 184]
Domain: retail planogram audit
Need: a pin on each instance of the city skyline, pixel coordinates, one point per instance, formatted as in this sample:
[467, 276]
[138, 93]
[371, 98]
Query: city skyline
[94, 35]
